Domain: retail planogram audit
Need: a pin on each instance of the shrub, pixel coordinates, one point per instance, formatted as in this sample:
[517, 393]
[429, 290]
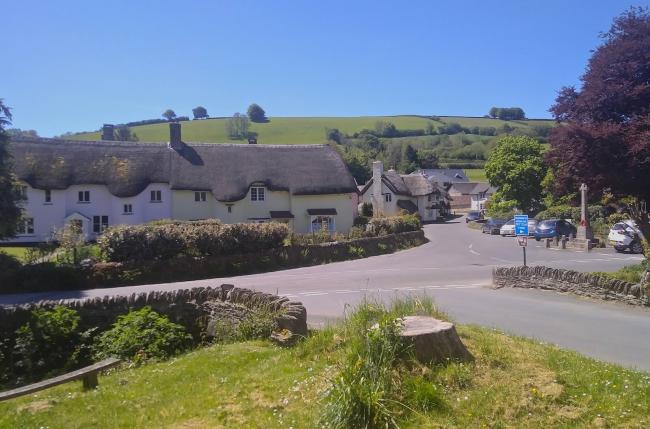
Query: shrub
[166, 240]
[395, 224]
[141, 335]
[51, 342]
[616, 218]
[366, 210]
[360, 221]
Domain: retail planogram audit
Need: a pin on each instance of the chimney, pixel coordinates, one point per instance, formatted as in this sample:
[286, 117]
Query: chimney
[175, 136]
[107, 132]
[252, 140]
[377, 196]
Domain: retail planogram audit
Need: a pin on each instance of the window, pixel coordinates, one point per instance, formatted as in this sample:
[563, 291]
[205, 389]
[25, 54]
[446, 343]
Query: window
[388, 197]
[322, 223]
[229, 209]
[48, 196]
[257, 193]
[84, 197]
[156, 196]
[21, 192]
[200, 196]
[128, 209]
[25, 226]
[100, 223]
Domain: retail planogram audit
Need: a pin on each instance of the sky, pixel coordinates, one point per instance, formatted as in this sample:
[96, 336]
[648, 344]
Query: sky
[74, 65]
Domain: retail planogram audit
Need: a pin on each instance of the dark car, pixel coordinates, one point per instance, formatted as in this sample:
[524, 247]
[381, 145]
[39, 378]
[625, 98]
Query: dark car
[493, 226]
[554, 228]
[474, 217]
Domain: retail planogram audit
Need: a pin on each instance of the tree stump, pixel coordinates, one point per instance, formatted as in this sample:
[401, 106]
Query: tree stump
[433, 340]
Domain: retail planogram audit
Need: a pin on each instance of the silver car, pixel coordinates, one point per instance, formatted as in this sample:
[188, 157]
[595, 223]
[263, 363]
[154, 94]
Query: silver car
[508, 228]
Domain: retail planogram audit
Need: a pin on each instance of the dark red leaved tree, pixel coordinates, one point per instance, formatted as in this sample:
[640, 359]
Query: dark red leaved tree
[604, 140]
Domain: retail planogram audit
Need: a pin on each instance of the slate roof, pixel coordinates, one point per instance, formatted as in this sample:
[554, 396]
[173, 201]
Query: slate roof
[472, 188]
[228, 170]
[445, 175]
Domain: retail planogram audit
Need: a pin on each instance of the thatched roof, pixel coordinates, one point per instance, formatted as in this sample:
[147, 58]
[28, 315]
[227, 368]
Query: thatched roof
[412, 185]
[228, 170]
[407, 205]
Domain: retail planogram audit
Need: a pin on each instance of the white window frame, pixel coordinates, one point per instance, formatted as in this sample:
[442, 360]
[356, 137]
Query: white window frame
[100, 224]
[83, 197]
[331, 223]
[156, 196]
[200, 196]
[258, 194]
[388, 197]
[128, 209]
[47, 198]
[25, 226]
[21, 192]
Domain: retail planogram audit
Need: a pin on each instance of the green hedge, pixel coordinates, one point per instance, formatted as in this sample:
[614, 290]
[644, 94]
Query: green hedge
[166, 240]
[394, 224]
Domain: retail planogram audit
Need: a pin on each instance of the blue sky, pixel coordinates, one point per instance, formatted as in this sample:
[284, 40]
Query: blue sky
[73, 65]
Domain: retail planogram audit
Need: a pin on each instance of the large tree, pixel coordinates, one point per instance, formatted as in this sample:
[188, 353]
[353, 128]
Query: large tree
[516, 167]
[9, 211]
[605, 137]
[256, 113]
[200, 112]
[237, 126]
[169, 114]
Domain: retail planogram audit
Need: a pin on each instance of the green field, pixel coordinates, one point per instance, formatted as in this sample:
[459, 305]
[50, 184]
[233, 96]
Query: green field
[17, 252]
[300, 130]
[476, 174]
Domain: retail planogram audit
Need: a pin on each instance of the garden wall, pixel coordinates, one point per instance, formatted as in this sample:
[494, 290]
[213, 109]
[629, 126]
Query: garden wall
[49, 277]
[192, 308]
[584, 284]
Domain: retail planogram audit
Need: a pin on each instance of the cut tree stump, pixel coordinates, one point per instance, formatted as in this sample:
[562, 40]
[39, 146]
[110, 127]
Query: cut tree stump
[433, 340]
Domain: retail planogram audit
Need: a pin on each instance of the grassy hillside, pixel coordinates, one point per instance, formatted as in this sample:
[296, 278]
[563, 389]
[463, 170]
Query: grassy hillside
[303, 130]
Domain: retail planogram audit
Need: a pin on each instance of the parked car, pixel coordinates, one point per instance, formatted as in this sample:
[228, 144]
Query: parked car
[493, 226]
[508, 228]
[474, 216]
[625, 236]
[554, 228]
[532, 224]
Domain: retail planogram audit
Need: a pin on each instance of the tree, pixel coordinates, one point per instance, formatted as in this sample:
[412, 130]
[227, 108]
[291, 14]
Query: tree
[237, 126]
[124, 134]
[385, 129]
[17, 132]
[169, 114]
[9, 211]
[427, 159]
[494, 112]
[516, 167]
[507, 113]
[333, 134]
[200, 112]
[410, 161]
[256, 113]
[605, 138]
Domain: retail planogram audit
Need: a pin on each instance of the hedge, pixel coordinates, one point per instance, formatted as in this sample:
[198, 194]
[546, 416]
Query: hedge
[166, 240]
[394, 224]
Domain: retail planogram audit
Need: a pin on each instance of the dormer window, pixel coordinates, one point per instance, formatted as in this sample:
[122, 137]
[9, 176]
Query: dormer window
[200, 196]
[84, 197]
[48, 196]
[388, 197]
[21, 192]
[257, 193]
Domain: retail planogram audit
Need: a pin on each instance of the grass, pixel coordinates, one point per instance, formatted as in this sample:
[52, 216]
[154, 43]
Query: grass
[296, 130]
[18, 252]
[629, 273]
[513, 382]
[476, 174]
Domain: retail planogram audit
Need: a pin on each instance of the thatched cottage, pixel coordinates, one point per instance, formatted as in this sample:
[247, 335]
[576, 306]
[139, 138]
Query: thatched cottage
[106, 183]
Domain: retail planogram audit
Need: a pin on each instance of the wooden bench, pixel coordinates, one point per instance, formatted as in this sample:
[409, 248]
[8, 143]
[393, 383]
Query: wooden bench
[88, 375]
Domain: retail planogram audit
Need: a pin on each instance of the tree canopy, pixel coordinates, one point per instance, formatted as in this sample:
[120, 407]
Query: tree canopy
[169, 114]
[237, 126]
[200, 112]
[256, 113]
[507, 113]
[516, 167]
[605, 137]
[9, 211]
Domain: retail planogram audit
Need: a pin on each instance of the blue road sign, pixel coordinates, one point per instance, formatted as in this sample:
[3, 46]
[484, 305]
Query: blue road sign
[521, 225]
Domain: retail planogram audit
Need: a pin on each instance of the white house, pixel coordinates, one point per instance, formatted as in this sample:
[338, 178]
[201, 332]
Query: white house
[470, 195]
[104, 183]
[390, 192]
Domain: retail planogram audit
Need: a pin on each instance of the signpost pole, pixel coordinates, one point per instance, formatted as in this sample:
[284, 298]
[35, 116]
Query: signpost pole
[524, 247]
[521, 231]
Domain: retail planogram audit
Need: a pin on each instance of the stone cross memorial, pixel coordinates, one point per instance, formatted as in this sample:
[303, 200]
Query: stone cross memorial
[584, 230]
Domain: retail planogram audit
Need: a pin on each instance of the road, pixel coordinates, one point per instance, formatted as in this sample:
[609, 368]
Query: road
[455, 268]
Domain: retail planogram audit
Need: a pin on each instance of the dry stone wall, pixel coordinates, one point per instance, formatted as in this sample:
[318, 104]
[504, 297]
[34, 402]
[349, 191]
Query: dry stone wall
[189, 307]
[584, 284]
